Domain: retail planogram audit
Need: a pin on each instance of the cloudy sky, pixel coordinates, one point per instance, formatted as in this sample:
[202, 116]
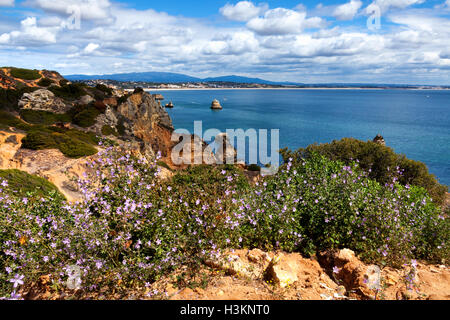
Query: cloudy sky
[377, 41]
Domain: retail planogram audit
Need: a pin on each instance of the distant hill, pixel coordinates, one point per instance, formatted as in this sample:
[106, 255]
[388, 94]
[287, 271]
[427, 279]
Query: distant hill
[239, 79]
[167, 77]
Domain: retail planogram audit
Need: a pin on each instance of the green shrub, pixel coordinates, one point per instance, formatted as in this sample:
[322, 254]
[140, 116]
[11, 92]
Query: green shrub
[123, 99]
[86, 118]
[9, 98]
[43, 117]
[73, 148]
[382, 163]
[44, 82]
[87, 137]
[108, 131]
[21, 183]
[8, 119]
[120, 127]
[104, 88]
[25, 74]
[71, 91]
[72, 143]
[317, 204]
[163, 164]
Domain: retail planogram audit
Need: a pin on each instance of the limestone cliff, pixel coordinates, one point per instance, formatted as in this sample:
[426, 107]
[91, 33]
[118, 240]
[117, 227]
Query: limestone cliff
[146, 120]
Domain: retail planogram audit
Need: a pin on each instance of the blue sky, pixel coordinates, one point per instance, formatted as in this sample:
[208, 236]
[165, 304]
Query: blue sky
[303, 41]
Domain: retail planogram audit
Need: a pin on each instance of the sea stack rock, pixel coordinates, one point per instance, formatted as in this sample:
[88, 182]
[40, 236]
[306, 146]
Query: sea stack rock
[215, 105]
[379, 139]
[169, 105]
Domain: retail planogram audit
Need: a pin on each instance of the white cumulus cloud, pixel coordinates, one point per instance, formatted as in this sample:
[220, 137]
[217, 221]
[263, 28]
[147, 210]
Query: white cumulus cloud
[347, 11]
[281, 21]
[30, 34]
[243, 10]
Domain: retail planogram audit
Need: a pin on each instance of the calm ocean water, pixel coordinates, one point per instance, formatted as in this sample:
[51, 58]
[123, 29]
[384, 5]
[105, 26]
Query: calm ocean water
[415, 123]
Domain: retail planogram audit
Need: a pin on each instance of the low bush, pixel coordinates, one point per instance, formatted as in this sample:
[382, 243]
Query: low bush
[9, 98]
[68, 143]
[108, 131]
[164, 165]
[318, 204]
[86, 118]
[9, 120]
[44, 82]
[22, 184]
[104, 88]
[120, 127]
[71, 91]
[123, 99]
[25, 74]
[43, 117]
[381, 162]
[138, 90]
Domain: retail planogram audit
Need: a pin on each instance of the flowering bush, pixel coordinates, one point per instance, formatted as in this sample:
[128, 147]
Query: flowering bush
[379, 161]
[319, 204]
[132, 228]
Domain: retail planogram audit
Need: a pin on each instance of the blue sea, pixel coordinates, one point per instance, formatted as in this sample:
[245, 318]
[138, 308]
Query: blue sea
[413, 122]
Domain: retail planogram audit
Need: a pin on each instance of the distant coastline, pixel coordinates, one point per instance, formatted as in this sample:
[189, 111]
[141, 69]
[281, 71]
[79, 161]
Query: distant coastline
[318, 88]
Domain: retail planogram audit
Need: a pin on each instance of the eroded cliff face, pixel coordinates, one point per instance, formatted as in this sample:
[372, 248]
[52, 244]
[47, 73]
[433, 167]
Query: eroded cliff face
[146, 120]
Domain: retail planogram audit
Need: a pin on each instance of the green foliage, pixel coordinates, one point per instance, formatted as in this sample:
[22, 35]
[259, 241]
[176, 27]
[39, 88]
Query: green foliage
[382, 163]
[123, 99]
[9, 120]
[9, 98]
[108, 130]
[72, 143]
[104, 88]
[318, 204]
[44, 82]
[21, 183]
[25, 74]
[86, 117]
[71, 91]
[120, 127]
[43, 117]
[163, 164]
